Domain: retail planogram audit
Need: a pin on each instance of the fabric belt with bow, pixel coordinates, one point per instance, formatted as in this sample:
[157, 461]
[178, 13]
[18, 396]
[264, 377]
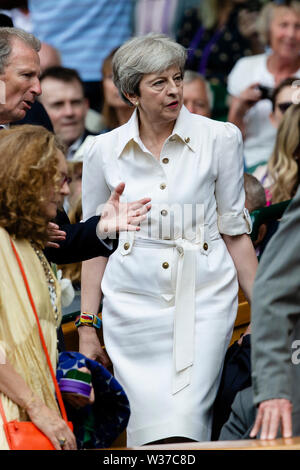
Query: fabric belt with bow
[184, 316]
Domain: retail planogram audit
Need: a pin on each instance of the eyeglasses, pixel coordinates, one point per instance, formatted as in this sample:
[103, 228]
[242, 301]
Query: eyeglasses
[284, 106]
[65, 179]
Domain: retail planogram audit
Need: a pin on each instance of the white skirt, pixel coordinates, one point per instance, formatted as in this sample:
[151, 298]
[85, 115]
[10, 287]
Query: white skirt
[139, 287]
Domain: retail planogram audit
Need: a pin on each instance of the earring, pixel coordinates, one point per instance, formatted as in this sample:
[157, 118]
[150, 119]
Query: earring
[137, 103]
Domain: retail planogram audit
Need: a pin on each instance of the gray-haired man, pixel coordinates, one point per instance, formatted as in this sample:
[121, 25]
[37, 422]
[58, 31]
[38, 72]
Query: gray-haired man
[197, 94]
[19, 73]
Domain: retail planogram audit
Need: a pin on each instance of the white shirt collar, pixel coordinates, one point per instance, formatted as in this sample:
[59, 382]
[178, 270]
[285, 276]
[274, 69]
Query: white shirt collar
[183, 129]
[75, 146]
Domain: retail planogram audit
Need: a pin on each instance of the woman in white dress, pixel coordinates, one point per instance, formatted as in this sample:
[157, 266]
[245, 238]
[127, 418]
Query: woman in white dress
[170, 290]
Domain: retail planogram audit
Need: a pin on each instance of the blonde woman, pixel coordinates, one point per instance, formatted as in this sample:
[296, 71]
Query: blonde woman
[283, 167]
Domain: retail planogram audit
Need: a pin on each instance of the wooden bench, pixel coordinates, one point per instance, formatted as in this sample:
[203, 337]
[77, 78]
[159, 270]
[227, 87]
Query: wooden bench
[242, 318]
[250, 444]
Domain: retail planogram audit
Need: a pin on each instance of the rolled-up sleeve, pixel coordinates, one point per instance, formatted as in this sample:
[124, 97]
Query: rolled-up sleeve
[233, 218]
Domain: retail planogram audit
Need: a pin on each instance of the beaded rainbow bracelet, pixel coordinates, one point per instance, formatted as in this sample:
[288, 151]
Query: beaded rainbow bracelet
[88, 319]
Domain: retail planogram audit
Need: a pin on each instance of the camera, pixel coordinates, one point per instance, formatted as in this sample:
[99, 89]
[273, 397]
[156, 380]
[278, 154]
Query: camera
[266, 92]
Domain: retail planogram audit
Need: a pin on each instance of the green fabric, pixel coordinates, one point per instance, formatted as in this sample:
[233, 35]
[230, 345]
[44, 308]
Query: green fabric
[220, 102]
[265, 214]
[251, 169]
[76, 374]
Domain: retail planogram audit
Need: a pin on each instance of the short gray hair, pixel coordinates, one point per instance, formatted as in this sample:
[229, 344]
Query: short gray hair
[142, 55]
[7, 35]
[190, 76]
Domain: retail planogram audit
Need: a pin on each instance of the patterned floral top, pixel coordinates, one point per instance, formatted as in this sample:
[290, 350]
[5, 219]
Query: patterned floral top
[212, 52]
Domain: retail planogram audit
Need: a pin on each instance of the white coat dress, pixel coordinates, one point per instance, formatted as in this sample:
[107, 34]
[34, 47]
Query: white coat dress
[170, 290]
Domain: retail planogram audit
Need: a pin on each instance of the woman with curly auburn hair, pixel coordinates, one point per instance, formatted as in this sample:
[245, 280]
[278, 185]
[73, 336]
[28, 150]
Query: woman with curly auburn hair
[283, 167]
[33, 183]
[29, 165]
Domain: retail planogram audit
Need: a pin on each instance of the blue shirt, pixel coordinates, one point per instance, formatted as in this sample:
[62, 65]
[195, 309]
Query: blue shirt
[84, 31]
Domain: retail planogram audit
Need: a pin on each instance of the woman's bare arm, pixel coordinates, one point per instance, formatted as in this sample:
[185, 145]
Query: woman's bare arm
[46, 419]
[242, 252]
[91, 278]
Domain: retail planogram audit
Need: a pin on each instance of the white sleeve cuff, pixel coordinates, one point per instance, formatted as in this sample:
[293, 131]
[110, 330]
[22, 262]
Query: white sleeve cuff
[107, 243]
[235, 224]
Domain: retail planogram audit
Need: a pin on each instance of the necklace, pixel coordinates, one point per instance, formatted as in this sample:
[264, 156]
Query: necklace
[49, 278]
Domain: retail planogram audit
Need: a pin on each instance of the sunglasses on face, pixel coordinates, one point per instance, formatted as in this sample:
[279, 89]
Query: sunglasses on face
[284, 106]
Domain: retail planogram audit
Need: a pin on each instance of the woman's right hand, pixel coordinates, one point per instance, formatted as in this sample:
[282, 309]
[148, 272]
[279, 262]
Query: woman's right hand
[240, 105]
[248, 97]
[89, 345]
[51, 424]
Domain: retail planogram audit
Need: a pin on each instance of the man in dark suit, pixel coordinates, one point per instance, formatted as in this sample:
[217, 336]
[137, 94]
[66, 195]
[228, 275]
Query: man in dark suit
[241, 419]
[37, 116]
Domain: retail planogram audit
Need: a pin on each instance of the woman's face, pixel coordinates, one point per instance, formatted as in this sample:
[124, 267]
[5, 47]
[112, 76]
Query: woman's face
[285, 33]
[283, 100]
[111, 93]
[55, 198]
[161, 95]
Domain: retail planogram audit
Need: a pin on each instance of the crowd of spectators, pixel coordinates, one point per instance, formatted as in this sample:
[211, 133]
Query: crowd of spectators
[242, 67]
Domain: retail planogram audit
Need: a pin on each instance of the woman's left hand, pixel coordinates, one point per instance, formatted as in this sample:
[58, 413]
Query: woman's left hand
[79, 401]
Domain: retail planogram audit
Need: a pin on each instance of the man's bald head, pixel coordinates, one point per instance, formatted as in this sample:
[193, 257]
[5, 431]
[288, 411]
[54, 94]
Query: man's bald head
[197, 95]
[49, 56]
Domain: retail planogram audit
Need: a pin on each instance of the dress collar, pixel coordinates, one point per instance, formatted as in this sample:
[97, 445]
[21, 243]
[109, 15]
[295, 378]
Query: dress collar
[183, 129]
